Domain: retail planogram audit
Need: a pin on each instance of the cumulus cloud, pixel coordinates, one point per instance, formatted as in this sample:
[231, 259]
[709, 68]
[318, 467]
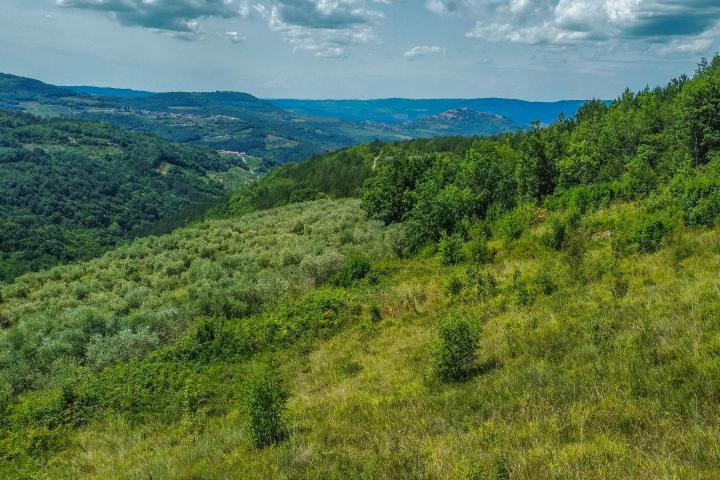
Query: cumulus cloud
[179, 17]
[448, 6]
[679, 24]
[423, 51]
[324, 28]
[323, 14]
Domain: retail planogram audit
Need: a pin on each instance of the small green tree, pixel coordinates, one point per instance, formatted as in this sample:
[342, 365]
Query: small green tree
[479, 251]
[266, 398]
[555, 236]
[455, 355]
[523, 296]
[355, 268]
[450, 249]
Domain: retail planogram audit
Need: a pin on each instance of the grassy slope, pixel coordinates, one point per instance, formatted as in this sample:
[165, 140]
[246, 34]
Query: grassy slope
[579, 383]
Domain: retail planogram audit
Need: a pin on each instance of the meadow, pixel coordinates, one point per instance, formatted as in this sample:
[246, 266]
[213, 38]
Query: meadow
[595, 367]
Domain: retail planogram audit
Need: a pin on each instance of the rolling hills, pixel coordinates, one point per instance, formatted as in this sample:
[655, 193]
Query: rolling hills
[231, 121]
[540, 304]
[393, 111]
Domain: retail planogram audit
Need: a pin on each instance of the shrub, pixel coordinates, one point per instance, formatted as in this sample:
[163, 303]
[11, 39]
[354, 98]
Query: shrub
[503, 468]
[375, 313]
[555, 236]
[481, 283]
[522, 293]
[455, 355]
[298, 227]
[290, 257]
[545, 281]
[620, 286]
[517, 222]
[643, 234]
[126, 344]
[397, 239]
[450, 249]
[229, 298]
[454, 285]
[266, 398]
[479, 251]
[355, 268]
[320, 268]
[648, 236]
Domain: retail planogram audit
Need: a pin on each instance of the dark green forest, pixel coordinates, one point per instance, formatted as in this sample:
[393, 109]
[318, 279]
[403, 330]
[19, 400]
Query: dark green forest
[69, 190]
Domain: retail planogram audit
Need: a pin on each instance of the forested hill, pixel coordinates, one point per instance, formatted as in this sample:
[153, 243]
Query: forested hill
[72, 189]
[658, 145]
[232, 121]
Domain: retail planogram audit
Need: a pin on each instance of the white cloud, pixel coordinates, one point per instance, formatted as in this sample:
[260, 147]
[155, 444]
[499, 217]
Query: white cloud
[176, 17]
[424, 51]
[448, 6]
[325, 28]
[235, 37]
[678, 23]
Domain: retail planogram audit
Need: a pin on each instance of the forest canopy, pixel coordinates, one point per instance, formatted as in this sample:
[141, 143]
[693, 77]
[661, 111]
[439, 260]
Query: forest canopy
[71, 189]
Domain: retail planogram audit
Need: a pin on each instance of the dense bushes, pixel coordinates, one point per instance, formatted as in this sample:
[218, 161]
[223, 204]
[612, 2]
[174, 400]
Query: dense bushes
[124, 305]
[356, 267]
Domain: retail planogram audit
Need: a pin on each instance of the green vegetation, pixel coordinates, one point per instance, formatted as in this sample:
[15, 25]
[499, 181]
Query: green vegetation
[455, 355]
[70, 190]
[266, 398]
[234, 121]
[537, 305]
[145, 330]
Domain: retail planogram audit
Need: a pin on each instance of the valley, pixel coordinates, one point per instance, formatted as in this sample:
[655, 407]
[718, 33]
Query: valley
[228, 120]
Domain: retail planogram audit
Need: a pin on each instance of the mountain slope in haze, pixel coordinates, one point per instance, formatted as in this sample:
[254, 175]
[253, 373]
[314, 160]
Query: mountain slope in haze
[72, 189]
[458, 122]
[109, 92]
[230, 121]
[401, 110]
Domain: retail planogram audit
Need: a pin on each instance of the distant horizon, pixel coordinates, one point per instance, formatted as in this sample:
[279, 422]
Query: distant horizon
[361, 49]
[337, 99]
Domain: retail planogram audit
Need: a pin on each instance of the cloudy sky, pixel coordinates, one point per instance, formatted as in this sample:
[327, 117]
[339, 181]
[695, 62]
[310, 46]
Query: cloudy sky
[531, 49]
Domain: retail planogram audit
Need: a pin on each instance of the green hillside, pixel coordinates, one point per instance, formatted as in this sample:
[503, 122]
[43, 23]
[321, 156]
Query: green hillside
[537, 305]
[70, 190]
[232, 121]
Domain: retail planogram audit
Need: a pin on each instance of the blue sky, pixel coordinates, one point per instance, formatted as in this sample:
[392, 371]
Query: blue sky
[537, 50]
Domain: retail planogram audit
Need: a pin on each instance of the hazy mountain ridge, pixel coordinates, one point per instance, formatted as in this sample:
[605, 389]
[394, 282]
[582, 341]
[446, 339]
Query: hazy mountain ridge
[109, 91]
[401, 110]
[459, 121]
[234, 121]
